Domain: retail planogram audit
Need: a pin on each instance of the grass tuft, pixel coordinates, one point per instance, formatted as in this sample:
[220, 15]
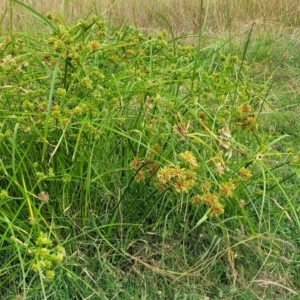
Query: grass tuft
[135, 165]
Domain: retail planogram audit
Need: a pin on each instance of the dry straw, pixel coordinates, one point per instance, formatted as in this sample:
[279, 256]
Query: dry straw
[184, 16]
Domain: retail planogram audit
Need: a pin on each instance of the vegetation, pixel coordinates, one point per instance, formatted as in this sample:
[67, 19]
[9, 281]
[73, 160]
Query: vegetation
[135, 165]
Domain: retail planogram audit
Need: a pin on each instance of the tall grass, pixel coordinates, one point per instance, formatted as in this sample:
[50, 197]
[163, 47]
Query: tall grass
[184, 16]
[131, 160]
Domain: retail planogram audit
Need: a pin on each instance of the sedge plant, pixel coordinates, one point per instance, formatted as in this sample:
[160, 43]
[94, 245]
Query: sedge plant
[113, 140]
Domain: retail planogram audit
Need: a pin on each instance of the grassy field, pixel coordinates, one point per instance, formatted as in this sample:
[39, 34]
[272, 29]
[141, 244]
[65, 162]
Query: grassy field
[184, 16]
[149, 151]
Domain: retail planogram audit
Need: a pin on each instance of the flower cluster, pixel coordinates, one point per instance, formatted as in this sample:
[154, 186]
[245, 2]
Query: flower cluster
[176, 177]
[141, 173]
[46, 256]
[212, 201]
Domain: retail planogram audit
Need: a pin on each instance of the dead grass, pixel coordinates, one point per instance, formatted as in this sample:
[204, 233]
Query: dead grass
[184, 16]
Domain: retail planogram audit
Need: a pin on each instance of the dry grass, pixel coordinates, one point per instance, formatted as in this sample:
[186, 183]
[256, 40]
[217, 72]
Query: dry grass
[184, 16]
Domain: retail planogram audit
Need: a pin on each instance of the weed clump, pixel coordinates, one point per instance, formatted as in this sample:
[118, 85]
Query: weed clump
[130, 127]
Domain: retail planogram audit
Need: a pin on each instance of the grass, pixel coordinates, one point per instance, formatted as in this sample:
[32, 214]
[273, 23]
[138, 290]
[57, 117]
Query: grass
[135, 165]
[183, 16]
